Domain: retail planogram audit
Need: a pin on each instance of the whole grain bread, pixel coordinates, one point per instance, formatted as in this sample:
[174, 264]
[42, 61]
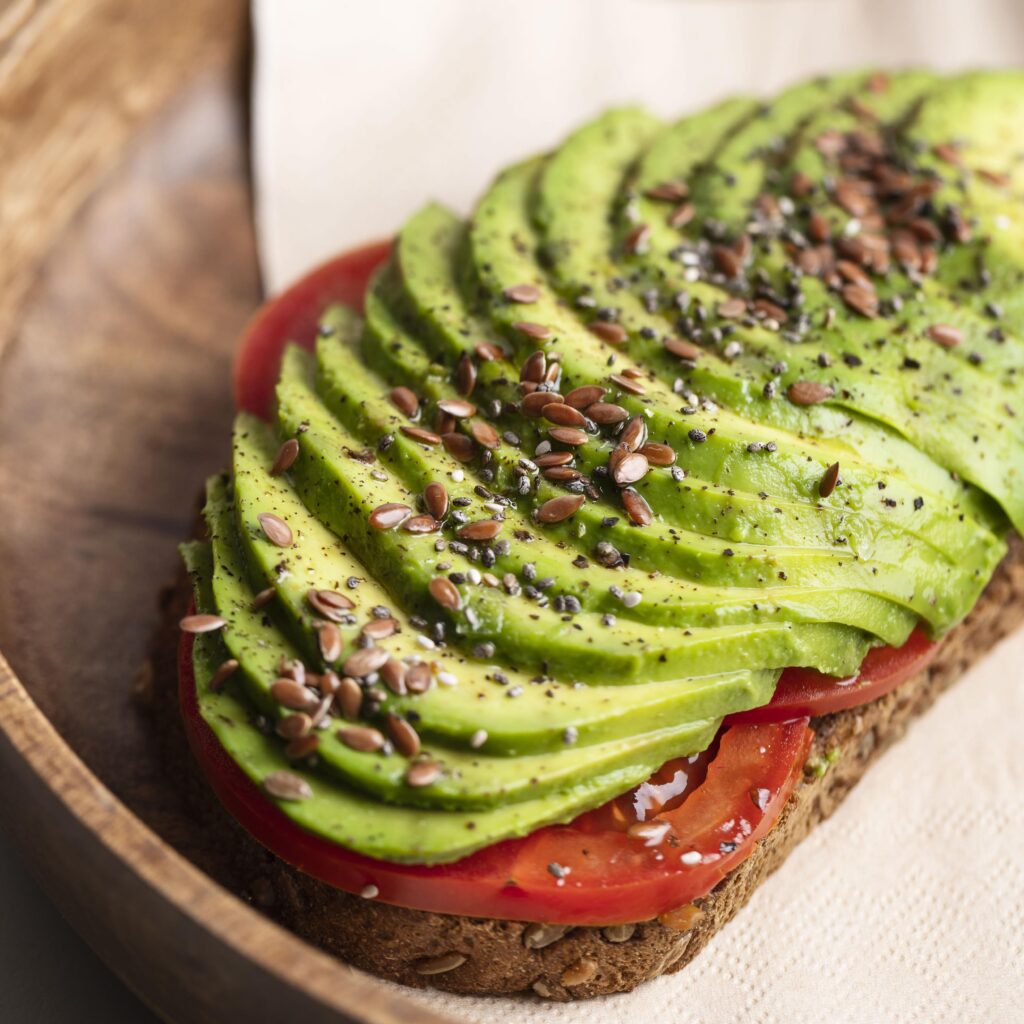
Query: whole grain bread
[484, 956]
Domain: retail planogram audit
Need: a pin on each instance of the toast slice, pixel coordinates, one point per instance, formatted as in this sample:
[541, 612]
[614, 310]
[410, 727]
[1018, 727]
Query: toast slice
[484, 956]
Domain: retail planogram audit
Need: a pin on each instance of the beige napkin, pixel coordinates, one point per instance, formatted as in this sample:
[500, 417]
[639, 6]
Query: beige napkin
[908, 906]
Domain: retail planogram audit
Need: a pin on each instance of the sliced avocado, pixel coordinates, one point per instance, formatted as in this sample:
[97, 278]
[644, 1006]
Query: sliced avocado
[475, 695]
[342, 491]
[470, 779]
[343, 815]
[428, 296]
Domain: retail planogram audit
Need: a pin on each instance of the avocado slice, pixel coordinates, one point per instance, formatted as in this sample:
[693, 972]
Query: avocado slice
[436, 304]
[342, 492]
[341, 813]
[535, 721]
[470, 779]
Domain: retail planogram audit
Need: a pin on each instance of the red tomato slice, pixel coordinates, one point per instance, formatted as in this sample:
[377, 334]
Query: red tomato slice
[294, 316]
[803, 692]
[592, 871]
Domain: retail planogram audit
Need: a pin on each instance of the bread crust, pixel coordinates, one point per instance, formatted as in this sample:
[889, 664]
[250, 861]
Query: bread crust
[418, 948]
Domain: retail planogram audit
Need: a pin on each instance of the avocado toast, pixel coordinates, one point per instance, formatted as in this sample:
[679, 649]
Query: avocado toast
[571, 579]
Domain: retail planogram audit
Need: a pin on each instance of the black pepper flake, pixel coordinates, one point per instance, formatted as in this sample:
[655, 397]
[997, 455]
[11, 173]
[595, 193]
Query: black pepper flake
[918, 504]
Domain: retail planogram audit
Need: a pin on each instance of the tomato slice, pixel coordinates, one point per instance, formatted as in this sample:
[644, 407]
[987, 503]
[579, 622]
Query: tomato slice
[294, 316]
[657, 849]
[803, 692]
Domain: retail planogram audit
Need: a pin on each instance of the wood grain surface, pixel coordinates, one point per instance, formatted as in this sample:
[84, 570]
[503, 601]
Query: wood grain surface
[128, 270]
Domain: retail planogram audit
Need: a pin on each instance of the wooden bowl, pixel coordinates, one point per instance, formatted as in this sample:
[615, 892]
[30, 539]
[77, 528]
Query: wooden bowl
[128, 269]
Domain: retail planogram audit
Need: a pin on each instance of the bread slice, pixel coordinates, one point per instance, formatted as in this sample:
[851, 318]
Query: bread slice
[484, 956]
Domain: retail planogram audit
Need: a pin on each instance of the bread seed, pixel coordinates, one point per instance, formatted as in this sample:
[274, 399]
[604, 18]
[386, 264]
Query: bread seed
[618, 932]
[683, 918]
[201, 623]
[579, 973]
[809, 392]
[556, 509]
[388, 516]
[440, 964]
[405, 401]
[540, 936]
[361, 738]
[380, 629]
[275, 529]
[827, 484]
[285, 785]
[285, 458]
[403, 735]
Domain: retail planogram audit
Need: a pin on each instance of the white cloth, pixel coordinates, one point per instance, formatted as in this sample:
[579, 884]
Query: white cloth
[908, 905]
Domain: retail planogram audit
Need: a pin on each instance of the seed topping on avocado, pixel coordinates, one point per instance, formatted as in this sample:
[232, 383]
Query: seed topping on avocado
[827, 484]
[285, 458]
[275, 529]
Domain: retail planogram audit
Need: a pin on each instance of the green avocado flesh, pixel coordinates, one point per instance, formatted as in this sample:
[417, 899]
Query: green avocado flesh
[573, 593]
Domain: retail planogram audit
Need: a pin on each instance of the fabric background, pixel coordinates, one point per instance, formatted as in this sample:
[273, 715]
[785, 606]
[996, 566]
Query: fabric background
[908, 905]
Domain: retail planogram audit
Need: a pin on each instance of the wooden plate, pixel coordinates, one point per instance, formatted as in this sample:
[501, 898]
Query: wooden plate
[128, 268]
